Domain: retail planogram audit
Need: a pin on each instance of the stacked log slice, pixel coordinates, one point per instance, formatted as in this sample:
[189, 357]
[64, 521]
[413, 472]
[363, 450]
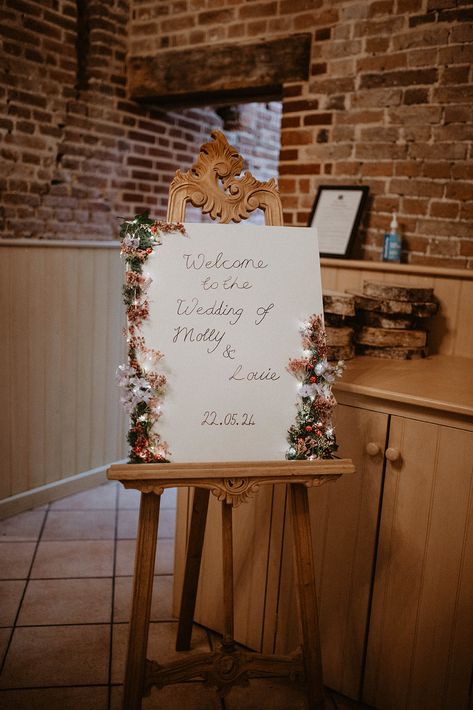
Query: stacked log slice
[391, 320]
[339, 316]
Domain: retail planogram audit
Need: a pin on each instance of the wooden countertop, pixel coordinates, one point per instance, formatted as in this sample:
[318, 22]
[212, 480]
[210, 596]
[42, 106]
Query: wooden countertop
[437, 382]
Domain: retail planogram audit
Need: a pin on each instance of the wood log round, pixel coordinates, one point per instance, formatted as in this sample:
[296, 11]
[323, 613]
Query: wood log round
[388, 321]
[420, 310]
[338, 302]
[379, 289]
[339, 336]
[392, 353]
[336, 321]
[340, 352]
[379, 337]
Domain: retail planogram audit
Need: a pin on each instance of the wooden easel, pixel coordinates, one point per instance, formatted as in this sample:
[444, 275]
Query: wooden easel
[232, 483]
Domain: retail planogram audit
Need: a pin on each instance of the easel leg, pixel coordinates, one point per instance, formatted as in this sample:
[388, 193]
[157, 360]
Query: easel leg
[142, 594]
[227, 545]
[191, 574]
[307, 595]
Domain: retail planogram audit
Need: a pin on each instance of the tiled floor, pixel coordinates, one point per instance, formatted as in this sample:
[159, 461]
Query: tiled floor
[65, 592]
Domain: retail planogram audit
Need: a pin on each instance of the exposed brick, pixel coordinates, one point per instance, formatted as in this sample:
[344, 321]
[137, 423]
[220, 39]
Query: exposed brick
[300, 105]
[444, 210]
[416, 20]
[265, 9]
[295, 6]
[216, 16]
[320, 68]
[459, 191]
[436, 170]
[377, 98]
[416, 96]
[409, 77]
[317, 119]
[324, 33]
[296, 137]
[412, 205]
[300, 169]
[290, 121]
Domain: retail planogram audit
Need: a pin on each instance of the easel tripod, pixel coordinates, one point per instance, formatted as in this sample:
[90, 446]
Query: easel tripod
[232, 483]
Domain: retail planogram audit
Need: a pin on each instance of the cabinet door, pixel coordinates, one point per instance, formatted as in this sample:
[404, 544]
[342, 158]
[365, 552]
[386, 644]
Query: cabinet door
[344, 517]
[420, 647]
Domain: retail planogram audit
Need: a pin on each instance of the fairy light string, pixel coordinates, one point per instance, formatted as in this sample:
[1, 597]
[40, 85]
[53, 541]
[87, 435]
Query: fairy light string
[312, 435]
[142, 385]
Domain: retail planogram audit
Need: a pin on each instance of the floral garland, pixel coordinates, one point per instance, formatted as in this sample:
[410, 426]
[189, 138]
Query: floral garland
[143, 387]
[312, 436]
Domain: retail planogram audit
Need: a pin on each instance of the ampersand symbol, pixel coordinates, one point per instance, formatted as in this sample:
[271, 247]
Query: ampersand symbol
[229, 352]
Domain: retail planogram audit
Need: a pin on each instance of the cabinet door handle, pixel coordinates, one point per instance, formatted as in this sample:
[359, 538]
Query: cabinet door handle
[392, 454]
[372, 448]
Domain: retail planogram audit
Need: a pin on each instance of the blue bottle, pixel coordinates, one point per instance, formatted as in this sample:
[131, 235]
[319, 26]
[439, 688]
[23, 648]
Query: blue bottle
[392, 242]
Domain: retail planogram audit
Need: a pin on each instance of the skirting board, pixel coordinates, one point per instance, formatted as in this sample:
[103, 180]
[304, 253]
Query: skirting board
[55, 490]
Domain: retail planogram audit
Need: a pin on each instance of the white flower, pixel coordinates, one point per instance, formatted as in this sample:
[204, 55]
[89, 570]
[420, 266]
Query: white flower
[131, 242]
[324, 390]
[123, 374]
[307, 390]
[321, 367]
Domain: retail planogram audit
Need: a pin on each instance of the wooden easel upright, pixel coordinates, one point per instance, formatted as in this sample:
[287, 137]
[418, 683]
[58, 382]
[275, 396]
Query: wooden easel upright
[232, 483]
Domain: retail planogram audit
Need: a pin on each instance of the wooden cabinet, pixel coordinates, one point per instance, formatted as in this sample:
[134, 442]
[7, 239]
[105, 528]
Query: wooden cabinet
[393, 544]
[420, 634]
[394, 557]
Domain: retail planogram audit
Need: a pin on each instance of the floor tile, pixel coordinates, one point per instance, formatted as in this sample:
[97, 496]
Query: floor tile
[161, 606]
[191, 696]
[10, 597]
[22, 527]
[125, 562]
[128, 523]
[79, 525]
[4, 639]
[66, 601]
[102, 497]
[57, 655]
[267, 694]
[161, 645]
[15, 559]
[85, 558]
[55, 699]
[130, 498]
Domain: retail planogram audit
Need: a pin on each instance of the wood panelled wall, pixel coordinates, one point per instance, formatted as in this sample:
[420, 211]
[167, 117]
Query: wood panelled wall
[61, 320]
[450, 330]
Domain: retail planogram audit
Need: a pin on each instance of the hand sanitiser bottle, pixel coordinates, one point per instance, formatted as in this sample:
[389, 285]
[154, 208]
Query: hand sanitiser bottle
[392, 242]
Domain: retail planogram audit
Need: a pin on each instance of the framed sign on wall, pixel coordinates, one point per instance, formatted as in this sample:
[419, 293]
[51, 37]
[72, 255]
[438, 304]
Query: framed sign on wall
[336, 215]
[218, 326]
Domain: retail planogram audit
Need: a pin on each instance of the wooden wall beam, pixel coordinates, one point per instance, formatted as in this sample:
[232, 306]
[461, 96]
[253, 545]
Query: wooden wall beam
[215, 74]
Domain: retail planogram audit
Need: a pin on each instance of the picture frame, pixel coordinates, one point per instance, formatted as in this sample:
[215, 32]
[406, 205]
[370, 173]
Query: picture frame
[336, 214]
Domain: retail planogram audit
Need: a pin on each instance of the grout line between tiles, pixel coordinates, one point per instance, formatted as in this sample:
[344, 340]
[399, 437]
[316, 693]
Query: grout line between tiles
[27, 579]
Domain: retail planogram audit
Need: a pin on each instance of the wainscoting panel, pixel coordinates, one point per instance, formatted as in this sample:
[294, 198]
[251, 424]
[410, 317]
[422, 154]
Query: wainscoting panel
[61, 326]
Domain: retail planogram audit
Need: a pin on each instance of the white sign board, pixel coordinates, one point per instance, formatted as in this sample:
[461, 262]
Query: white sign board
[226, 306]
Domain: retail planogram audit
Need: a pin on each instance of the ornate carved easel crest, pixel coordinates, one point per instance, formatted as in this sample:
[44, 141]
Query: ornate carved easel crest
[212, 185]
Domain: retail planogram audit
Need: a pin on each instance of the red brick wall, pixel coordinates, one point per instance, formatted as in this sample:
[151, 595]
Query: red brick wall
[389, 104]
[75, 153]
